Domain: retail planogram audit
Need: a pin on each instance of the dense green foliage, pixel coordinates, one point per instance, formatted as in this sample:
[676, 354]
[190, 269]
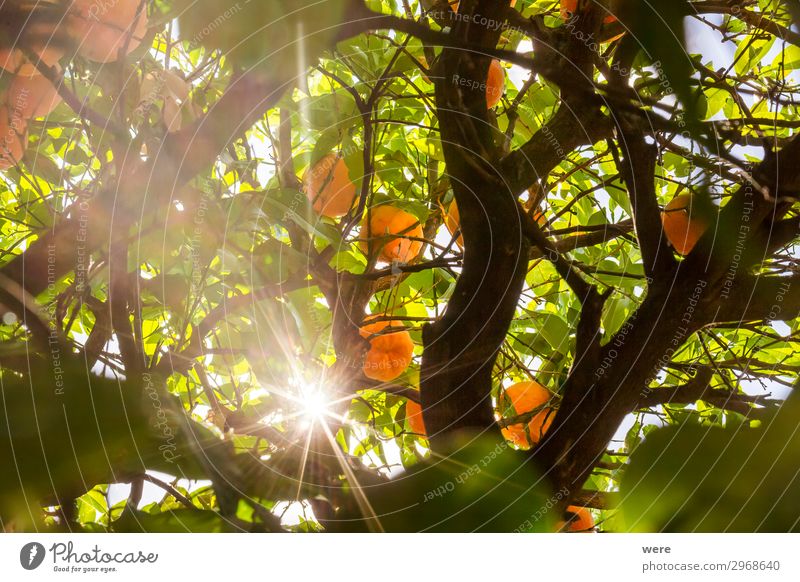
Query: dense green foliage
[179, 319]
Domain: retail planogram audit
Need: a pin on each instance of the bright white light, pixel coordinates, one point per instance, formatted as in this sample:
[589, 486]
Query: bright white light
[313, 402]
[293, 513]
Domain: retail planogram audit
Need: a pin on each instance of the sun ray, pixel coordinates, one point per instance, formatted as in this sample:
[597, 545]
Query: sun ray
[314, 409]
[303, 462]
[373, 523]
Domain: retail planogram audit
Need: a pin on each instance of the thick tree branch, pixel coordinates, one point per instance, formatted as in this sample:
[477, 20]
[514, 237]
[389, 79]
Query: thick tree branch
[603, 500]
[699, 388]
[569, 129]
[461, 348]
[763, 199]
[723, 399]
[759, 298]
[781, 234]
[638, 170]
[688, 392]
[101, 330]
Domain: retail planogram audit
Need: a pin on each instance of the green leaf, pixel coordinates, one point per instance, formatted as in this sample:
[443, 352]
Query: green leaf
[692, 478]
[292, 205]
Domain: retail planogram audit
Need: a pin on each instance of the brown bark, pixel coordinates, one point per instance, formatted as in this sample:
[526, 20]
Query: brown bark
[461, 348]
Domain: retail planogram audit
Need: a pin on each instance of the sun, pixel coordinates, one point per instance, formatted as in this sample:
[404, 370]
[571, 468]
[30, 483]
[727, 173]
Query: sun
[313, 402]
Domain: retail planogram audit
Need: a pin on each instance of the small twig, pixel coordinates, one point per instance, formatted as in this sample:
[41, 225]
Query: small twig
[169, 489]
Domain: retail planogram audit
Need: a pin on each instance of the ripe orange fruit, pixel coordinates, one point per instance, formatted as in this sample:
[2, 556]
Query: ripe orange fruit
[570, 6]
[452, 220]
[40, 38]
[682, 229]
[102, 28]
[495, 84]
[13, 60]
[389, 354]
[13, 138]
[397, 225]
[329, 188]
[414, 417]
[425, 70]
[525, 397]
[580, 520]
[31, 97]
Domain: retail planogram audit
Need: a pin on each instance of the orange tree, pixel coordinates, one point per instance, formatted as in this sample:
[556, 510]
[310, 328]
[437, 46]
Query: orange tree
[238, 294]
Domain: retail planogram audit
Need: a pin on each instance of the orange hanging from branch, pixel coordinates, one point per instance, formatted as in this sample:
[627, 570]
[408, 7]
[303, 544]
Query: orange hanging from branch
[683, 229]
[526, 397]
[414, 418]
[452, 220]
[495, 84]
[31, 97]
[393, 234]
[102, 29]
[390, 352]
[580, 520]
[329, 188]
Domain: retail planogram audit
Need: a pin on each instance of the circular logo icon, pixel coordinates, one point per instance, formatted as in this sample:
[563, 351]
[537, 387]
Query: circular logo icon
[31, 555]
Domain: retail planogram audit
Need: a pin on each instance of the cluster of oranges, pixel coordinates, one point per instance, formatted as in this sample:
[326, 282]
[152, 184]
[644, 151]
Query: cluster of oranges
[399, 238]
[525, 398]
[531, 398]
[389, 235]
[99, 30]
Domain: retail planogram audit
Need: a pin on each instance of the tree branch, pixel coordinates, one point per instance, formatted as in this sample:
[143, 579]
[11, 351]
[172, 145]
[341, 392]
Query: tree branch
[533, 233]
[569, 129]
[754, 19]
[602, 500]
[759, 298]
[461, 348]
[638, 171]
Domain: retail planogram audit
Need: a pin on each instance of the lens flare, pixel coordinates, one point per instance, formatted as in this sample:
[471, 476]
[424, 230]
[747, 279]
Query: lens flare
[313, 402]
